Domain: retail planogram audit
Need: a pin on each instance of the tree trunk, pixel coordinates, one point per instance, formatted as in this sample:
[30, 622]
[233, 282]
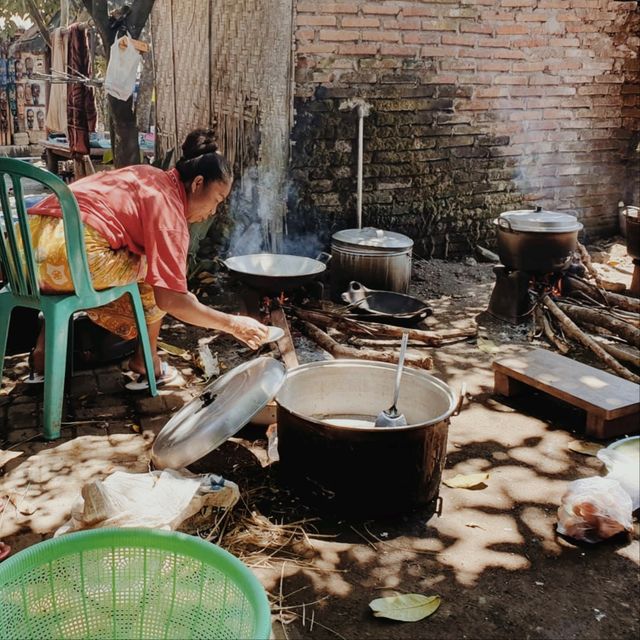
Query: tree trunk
[125, 131]
[145, 92]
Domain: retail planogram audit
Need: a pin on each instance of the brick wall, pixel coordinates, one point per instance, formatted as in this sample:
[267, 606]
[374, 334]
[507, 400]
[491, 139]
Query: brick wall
[477, 106]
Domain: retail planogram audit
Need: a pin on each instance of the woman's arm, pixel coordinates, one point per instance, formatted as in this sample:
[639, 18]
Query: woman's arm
[186, 307]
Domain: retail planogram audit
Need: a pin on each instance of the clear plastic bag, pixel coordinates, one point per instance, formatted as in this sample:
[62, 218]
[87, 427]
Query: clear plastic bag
[594, 509]
[122, 70]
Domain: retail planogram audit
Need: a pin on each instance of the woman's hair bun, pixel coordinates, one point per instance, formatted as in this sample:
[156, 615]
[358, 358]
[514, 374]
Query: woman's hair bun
[199, 142]
[200, 157]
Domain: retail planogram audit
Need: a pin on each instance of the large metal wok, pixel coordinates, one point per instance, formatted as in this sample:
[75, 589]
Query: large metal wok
[274, 273]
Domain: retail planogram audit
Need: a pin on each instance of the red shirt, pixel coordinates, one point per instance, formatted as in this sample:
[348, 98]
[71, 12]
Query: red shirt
[141, 208]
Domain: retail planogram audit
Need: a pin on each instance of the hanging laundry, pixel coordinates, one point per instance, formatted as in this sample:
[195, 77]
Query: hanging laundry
[57, 112]
[81, 108]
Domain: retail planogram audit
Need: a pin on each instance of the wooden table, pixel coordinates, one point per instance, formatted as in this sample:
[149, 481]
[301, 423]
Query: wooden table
[612, 403]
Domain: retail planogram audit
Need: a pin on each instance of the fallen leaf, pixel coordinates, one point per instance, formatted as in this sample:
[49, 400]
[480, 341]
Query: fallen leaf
[584, 447]
[466, 482]
[5, 456]
[136, 428]
[407, 607]
[169, 348]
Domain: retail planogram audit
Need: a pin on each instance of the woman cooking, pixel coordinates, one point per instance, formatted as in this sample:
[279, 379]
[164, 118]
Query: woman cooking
[137, 228]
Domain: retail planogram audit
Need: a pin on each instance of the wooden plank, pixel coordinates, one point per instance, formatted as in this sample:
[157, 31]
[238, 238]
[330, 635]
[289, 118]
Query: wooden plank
[602, 429]
[598, 392]
[285, 344]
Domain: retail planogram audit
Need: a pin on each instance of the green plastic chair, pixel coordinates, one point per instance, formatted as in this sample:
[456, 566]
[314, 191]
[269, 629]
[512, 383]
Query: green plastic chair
[22, 290]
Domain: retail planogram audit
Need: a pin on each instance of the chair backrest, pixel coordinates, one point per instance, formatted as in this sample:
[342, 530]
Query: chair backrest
[16, 249]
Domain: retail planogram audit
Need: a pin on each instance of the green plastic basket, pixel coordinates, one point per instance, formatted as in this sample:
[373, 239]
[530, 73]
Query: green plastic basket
[130, 583]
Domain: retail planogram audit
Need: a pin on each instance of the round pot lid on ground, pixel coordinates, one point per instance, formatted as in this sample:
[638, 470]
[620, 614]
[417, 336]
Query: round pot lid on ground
[372, 237]
[219, 412]
[538, 221]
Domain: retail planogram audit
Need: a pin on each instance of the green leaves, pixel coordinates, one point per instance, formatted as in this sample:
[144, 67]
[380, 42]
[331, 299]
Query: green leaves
[408, 607]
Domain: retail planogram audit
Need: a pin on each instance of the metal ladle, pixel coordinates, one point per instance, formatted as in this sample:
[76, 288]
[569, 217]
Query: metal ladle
[391, 417]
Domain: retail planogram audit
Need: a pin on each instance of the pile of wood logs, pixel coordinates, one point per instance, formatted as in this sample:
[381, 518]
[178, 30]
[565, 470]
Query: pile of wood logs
[346, 337]
[605, 323]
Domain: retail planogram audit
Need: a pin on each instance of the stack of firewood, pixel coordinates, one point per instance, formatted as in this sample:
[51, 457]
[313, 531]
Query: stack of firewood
[346, 337]
[605, 323]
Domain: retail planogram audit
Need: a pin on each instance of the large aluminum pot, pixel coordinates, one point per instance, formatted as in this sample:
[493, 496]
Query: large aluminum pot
[378, 259]
[326, 435]
[537, 241]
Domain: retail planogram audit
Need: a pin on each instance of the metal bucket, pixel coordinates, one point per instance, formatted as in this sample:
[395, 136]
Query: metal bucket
[378, 259]
[374, 471]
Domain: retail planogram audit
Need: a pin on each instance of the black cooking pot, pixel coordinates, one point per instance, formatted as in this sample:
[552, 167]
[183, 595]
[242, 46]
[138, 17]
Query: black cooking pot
[537, 241]
[331, 451]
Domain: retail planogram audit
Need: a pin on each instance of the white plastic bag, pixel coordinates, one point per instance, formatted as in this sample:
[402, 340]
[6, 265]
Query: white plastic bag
[156, 500]
[593, 509]
[122, 70]
[625, 469]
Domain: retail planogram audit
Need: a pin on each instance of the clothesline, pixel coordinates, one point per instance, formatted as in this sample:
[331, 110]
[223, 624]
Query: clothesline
[61, 77]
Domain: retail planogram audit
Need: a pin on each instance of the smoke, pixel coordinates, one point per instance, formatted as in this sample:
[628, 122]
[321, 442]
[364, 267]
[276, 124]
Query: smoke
[257, 210]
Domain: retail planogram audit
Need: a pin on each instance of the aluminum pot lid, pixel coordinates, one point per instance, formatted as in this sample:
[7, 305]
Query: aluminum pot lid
[372, 237]
[539, 220]
[220, 411]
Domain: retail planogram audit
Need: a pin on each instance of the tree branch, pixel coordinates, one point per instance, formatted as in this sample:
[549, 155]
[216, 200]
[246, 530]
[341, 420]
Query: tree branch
[140, 10]
[34, 12]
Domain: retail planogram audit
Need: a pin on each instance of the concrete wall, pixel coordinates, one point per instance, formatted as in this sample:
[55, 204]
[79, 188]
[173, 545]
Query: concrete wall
[478, 106]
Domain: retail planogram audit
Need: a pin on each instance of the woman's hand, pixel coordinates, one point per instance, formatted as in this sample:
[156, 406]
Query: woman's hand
[185, 307]
[249, 331]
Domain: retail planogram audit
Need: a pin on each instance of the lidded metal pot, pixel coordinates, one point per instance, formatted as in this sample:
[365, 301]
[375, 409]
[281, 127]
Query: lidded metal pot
[376, 258]
[537, 241]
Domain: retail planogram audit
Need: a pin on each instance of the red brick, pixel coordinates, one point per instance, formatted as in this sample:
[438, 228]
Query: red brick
[305, 34]
[381, 36]
[383, 8]
[418, 11]
[552, 4]
[511, 79]
[398, 50]
[421, 38]
[303, 20]
[323, 47]
[490, 17]
[518, 3]
[438, 52]
[495, 65]
[532, 17]
[464, 41]
[543, 79]
[492, 92]
[519, 67]
[564, 42]
[557, 114]
[410, 24]
[360, 22]
[358, 49]
[475, 27]
[581, 28]
[327, 7]
[335, 35]
[593, 90]
[439, 25]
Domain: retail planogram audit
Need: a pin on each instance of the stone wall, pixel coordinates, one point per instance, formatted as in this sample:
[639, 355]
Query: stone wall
[477, 106]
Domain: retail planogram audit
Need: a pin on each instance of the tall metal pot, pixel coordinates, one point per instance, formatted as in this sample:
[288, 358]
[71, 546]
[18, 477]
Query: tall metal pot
[327, 451]
[376, 258]
[537, 241]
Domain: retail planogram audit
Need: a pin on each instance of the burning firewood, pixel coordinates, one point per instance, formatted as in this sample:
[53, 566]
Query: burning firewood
[592, 292]
[338, 350]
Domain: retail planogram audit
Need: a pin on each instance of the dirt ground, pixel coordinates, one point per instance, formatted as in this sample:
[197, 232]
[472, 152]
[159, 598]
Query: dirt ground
[492, 554]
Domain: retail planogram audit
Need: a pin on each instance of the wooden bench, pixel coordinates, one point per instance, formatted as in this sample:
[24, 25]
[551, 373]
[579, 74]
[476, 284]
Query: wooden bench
[612, 403]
